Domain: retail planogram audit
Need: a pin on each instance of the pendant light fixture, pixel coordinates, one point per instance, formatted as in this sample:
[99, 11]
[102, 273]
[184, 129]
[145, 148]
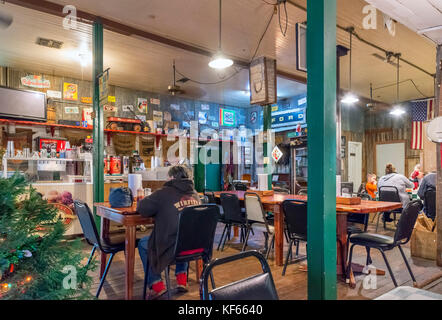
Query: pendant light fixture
[350, 98]
[397, 109]
[219, 61]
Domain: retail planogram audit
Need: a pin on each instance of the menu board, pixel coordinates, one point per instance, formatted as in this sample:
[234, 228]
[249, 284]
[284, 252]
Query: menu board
[262, 77]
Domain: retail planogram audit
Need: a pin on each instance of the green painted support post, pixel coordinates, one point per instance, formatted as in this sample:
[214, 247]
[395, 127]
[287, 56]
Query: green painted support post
[321, 113]
[267, 126]
[98, 132]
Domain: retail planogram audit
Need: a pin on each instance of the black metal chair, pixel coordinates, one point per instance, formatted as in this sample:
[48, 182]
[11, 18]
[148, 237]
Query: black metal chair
[256, 287]
[281, 190]
[430, 204]
[239, 186]
[295, 217]
[109, 246]
[195, 236]
[389, 194]
[347, 187]
[384, 243]
[233, 216]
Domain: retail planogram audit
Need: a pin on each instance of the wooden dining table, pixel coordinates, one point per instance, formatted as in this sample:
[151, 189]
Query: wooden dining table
[274, 202]
[130, 219]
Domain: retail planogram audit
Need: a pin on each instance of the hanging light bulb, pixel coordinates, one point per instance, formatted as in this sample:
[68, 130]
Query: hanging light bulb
[350, 98]
[219, 60]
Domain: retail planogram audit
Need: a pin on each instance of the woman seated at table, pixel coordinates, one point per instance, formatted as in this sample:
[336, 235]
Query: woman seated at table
[371, 185]
[157, 250]
[394, 179]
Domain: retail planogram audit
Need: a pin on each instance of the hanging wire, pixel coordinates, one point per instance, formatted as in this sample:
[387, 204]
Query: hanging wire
[238, 70]
[351, 50]
[219, 40]
[403, 81]
[286, 18]
[398, 60]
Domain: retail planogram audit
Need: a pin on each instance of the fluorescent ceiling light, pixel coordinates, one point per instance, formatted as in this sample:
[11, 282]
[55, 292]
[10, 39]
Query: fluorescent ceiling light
[429, 29]
[219, 61]
[350, 99]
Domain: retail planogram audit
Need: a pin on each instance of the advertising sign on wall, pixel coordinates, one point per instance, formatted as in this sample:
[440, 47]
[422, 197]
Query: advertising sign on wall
[70, 91]
[288, 117]
[227, 117]
[35, 82]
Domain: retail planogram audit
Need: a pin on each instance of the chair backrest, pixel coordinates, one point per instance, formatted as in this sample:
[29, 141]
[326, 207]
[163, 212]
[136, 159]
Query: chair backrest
[257, 287]
[210, 196]
[254, 208]
[239, 186]
[407, 221]
[281, 190]
[360, 218]
[389, 193]
[361, 189]
[204, 199]
[196, 231]
[303, 192]
[231, 208]
[347, 187]
[430, 203]
[295, 215]
[87, 222]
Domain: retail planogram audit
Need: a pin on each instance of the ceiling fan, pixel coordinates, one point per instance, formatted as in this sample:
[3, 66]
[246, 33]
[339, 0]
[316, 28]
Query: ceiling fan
[371, 105]
[174, 89]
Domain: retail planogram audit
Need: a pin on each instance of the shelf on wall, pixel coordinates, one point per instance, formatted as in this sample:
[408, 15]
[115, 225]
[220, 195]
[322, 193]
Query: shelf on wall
[89, 128]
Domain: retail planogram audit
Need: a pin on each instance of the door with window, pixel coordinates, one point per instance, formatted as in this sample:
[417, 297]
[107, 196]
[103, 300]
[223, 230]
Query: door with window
[355, 164]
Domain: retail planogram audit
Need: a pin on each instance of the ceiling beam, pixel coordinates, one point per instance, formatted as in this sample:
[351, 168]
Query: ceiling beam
[111, 25]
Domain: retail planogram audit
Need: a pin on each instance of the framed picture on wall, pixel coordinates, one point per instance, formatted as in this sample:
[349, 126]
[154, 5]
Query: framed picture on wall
[301, 47]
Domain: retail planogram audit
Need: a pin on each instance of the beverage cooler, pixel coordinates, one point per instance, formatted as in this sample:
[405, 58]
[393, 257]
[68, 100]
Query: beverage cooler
[298, 162]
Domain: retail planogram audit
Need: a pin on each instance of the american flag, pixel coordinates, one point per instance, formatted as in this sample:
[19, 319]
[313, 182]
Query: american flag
[420, 111]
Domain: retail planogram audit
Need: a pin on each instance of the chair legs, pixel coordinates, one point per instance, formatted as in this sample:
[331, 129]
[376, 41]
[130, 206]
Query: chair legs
[407, 264]
[91, 255]
[222, 237]
[104, 275]
[368, 262]
[228, 226]
[289, 253]
[349, 262]
[377, 223]
[272, 243]
[388, 266]
[247, 238]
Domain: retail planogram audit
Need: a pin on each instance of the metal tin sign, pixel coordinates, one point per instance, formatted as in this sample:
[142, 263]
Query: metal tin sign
[35, 82]
[288, 117]
[227, 117]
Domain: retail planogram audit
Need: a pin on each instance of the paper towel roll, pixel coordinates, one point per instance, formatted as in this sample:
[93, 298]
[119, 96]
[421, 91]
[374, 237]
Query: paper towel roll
[134, 182]
[263, 182]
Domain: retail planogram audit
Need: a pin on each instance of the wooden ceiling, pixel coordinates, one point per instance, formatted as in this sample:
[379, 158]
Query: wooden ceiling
[147, 65]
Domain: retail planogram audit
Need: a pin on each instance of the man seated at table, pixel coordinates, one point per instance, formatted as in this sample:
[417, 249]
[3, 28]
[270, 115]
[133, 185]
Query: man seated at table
[164, 205]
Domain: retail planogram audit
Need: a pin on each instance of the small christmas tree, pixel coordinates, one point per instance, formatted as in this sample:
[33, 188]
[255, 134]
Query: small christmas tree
[36, 262]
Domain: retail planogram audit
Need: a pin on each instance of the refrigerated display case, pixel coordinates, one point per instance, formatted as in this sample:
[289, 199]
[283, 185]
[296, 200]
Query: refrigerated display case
[60, 181]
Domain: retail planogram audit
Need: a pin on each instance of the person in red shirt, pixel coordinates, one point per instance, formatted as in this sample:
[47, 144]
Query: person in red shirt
[416, 176]
[371, 186]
